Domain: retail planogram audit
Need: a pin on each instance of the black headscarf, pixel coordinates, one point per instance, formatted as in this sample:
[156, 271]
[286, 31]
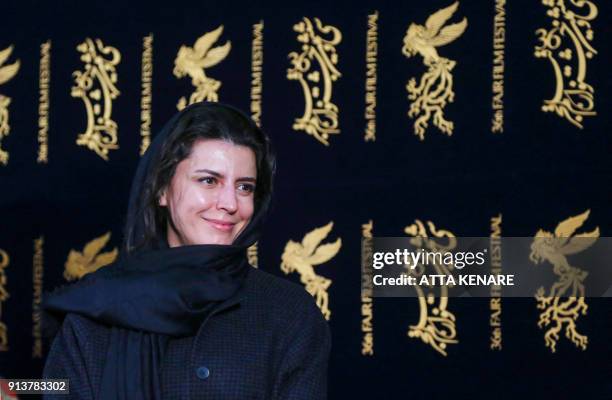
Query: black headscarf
[156, 293]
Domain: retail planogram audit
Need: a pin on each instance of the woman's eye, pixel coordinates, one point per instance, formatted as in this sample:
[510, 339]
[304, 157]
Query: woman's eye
[246, 187]
[209, 180]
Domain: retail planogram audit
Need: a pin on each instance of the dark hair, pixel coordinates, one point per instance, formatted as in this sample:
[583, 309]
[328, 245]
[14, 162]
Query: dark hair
[203, 121]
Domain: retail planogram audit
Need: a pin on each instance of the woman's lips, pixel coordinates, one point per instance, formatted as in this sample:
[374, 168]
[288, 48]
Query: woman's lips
[221, 225]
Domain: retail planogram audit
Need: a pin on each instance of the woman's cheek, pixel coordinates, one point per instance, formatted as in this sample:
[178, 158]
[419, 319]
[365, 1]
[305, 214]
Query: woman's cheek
[247, 208]
[201, 198]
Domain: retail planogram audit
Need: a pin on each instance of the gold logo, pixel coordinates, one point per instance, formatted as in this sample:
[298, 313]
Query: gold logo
[553, 248]
[315, 69]
[436, 325]
[567, 45]
[435, 88]
[193, 61]
[7, 72]
[95, 85]
[301, 257]
[252, 255]
[4, 262]
[80, 263]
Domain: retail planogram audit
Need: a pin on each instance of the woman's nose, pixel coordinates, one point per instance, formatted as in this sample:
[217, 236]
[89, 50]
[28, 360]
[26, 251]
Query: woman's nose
[227, 199]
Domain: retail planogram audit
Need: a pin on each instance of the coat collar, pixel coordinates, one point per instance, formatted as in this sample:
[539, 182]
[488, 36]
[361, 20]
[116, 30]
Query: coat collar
[235, 299]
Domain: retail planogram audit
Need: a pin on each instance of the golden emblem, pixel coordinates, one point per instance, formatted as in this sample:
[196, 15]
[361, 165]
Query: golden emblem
[96, 86]
[81, 263]
[554, 248]
[567, 45]
[436, 86]
[436, 325]
[252, 255]
[4, 262]
[193, 61]
[7, 72]
[301, 257]
[315, 69]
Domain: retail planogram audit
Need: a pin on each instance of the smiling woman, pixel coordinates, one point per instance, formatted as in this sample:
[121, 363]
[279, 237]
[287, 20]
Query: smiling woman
[182, 314]
[215, 165]
[210, 197]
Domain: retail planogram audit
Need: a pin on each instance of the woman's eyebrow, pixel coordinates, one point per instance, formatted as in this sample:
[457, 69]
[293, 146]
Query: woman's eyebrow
[219, 175]
[210, 171]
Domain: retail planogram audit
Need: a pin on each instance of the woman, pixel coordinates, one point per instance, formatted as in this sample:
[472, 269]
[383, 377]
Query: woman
[182, 315]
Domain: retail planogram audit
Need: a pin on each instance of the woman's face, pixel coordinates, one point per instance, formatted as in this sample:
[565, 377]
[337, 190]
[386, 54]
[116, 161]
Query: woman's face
[211, 195]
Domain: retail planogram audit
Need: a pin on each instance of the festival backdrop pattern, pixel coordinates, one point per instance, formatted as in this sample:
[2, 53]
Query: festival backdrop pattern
[474, 118]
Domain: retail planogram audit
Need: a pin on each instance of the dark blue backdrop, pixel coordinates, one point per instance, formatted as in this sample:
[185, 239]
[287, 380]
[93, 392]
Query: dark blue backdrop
[541, 170]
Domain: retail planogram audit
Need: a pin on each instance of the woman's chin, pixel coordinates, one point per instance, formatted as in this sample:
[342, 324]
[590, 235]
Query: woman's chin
[222, 238]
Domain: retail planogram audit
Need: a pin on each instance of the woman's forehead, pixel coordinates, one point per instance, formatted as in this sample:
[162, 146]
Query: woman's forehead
[222, 154]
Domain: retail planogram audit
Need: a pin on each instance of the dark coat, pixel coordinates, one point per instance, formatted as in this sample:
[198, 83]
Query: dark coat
[268, 341]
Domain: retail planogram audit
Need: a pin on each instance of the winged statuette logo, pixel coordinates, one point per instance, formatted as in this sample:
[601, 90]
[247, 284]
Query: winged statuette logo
[424, 39]
[193, 61]
[565, 300]
[302, 257]
[435, 88]
[90, 259]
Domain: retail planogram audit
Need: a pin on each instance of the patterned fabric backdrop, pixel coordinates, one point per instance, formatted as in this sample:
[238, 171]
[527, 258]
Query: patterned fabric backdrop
[477, 118]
